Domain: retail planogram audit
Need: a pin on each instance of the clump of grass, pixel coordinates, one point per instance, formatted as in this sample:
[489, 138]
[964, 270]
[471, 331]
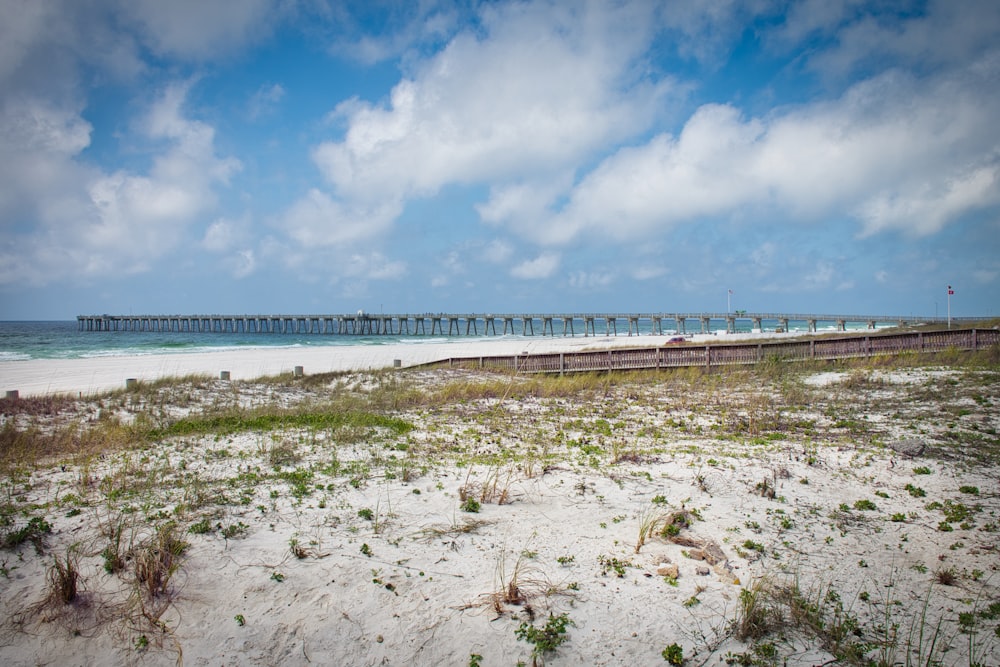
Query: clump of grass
[64, 579]
[158, 559]
[494, 488]
[756, 614]
[946, 576]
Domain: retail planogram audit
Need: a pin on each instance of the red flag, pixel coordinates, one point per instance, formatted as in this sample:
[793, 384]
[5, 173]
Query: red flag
[950, 290]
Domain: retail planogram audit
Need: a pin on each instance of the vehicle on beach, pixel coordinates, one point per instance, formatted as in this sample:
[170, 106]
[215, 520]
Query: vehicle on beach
[675, 340]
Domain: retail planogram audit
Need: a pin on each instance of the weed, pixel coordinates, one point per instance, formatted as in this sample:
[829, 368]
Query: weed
[673, 654]
[201, 527]
[921, 470]
[864, 505]
[33, 531]
[240, 620]
[613, 564]
[234, 531]
[470, 505]
[545, 639]
[946, 576]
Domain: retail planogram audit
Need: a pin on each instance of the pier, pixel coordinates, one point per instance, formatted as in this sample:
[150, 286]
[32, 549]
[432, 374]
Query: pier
[459, 324]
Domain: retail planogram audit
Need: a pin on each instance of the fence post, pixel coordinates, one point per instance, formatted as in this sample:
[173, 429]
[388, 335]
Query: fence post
[974, 347]
[562, 363]
[708, 356]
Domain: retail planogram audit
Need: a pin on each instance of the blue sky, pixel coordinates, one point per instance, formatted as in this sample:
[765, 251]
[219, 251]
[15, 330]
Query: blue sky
[315, 156]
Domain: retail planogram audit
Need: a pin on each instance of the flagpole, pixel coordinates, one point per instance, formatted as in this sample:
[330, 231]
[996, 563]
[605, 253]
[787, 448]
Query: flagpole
[950, 292]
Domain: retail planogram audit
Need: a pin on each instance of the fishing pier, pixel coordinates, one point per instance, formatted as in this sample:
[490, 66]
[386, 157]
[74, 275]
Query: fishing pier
[445, 324]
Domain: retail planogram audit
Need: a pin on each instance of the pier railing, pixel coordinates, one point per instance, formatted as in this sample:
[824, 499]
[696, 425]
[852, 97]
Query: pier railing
[685, 354]
[458, 324]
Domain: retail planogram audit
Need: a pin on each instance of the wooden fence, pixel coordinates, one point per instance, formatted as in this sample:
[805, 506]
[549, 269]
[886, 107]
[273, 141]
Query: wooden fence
[685, 354]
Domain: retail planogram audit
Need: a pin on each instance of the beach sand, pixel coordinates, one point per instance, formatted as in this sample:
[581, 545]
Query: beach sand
[99, 374]
[841, 496]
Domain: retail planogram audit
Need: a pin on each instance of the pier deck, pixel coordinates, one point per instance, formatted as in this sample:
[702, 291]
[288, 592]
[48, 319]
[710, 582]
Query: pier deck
[458, 324]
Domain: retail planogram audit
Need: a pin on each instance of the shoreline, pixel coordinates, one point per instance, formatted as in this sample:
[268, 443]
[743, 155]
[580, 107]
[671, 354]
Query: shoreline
[39, 377]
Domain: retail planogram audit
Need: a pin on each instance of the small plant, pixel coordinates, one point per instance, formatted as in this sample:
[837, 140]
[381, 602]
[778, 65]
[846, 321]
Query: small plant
[898, 517]
[233, 531]
[471, 505]
[201, 527]
[277, 576]
[673, 654]
[546, 639]
[921, 470]
[946, 576]
[565, 560]
[613, 564]
[971, 490]
[475, 660]
[864, 505]
[141, 643]
[367, 550]
[366, 513]
[915, 491]
[240, 620]
[34, 531]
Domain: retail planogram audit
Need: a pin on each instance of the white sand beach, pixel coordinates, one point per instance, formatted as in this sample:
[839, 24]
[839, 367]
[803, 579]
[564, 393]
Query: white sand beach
[816, 518]
[98, 374]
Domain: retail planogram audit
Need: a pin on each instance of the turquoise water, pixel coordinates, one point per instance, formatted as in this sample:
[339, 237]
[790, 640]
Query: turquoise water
[63, 340]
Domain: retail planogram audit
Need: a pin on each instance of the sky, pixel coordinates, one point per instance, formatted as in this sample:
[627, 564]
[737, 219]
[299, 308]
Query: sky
[323, 156]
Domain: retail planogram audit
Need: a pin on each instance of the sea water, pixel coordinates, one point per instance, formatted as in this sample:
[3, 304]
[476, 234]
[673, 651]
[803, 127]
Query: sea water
[64, 340]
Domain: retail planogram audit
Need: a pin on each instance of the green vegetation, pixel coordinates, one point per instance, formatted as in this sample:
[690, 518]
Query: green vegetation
[545, 639]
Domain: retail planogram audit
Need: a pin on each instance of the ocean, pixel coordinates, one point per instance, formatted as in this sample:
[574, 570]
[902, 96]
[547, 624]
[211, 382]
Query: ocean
[64, 340]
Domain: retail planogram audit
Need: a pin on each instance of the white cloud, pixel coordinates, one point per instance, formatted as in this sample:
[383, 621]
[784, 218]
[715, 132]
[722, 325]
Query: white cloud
[644, 272]
[943, 34]
[200, 29]
[588, 280]
[497, 251]
[897, 152]
[318, 220]
[501, 103]
[94, 223]
[224, 234]
[265, 100]
[542, 266]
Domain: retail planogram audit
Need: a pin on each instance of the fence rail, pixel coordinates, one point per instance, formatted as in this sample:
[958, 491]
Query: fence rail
[675, 356]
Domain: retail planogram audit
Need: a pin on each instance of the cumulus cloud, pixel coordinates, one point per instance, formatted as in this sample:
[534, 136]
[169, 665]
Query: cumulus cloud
[196, 29]
[895, 151]
[91, 222]
[317, 219]
[542, 266]
[498, 102]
